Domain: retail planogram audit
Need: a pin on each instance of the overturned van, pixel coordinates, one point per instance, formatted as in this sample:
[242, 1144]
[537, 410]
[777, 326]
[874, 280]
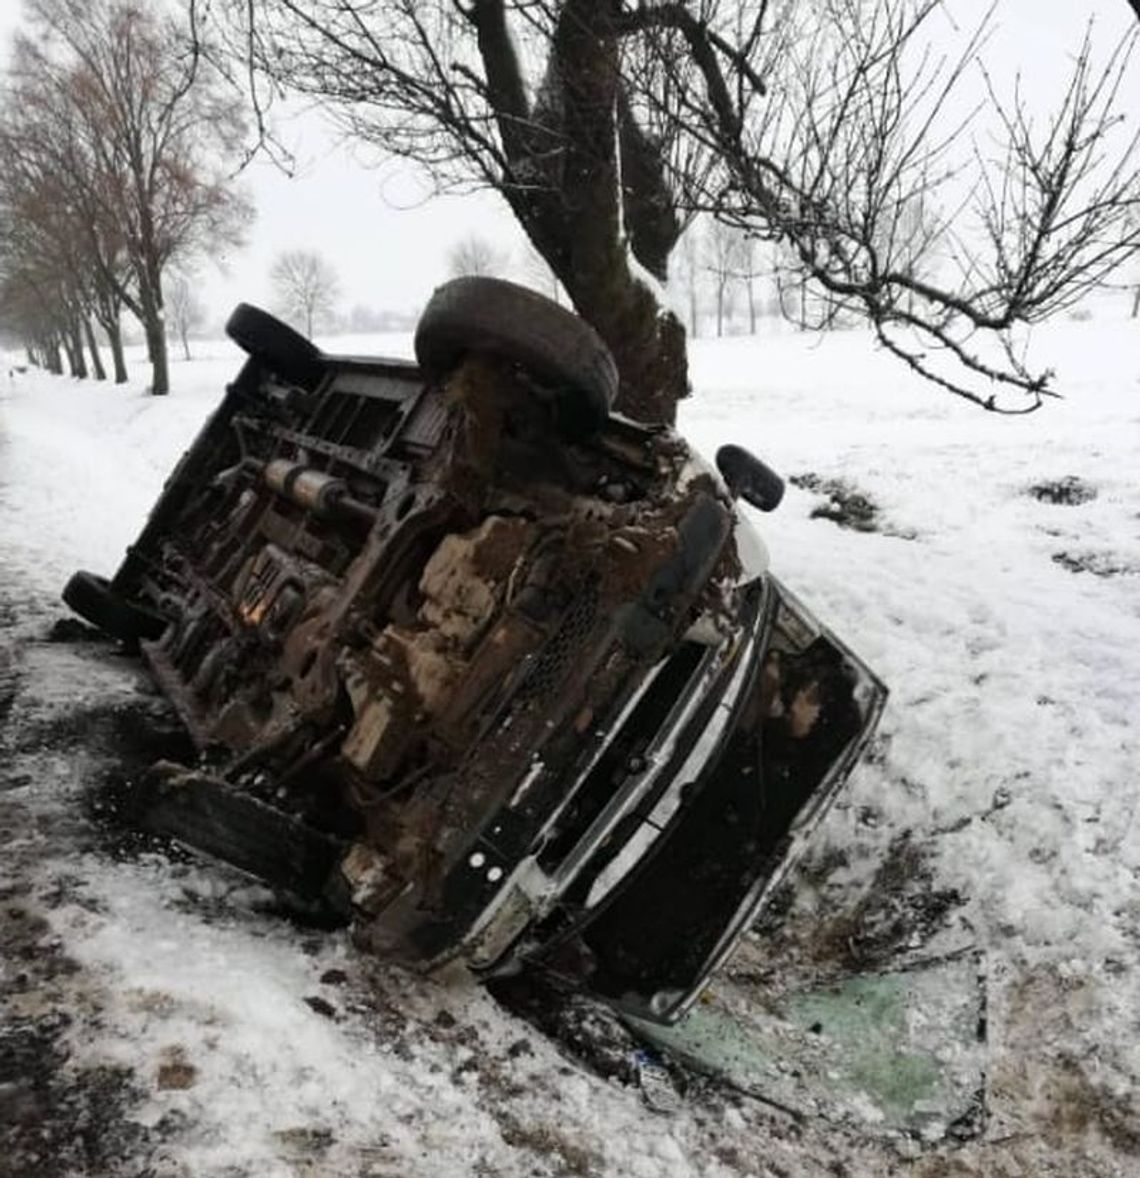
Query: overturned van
[496, 673]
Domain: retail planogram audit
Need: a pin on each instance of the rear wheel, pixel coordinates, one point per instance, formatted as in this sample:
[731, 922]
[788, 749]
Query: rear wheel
[93, 599]
[503, 319]
[286, 352]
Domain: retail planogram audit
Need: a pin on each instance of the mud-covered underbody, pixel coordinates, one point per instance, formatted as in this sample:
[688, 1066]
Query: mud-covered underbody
[496, 686]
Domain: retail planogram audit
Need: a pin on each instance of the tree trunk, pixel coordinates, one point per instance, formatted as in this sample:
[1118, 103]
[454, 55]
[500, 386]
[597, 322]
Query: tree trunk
[156, 348]
[1136, 302]
[589, 255]
[73, 344]
[185, 342]
[565, 187]
[751, 305]
[108, 310]
[649, 214]
[76, 330]
[93, 348]
[648, 345]
[154, 327]
[114, 330]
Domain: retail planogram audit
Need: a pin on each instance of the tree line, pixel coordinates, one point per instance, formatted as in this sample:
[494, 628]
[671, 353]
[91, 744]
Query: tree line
[118, 140]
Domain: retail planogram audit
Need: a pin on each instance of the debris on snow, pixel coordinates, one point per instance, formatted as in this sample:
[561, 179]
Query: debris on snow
[1068, 491]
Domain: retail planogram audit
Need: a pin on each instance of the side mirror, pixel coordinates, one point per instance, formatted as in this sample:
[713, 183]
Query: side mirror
[748, 478]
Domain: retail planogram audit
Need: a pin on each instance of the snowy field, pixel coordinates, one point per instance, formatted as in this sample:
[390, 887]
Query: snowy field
[193, 1034]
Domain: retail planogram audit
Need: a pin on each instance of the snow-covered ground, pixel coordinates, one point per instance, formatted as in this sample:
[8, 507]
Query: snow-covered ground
[207, 1038]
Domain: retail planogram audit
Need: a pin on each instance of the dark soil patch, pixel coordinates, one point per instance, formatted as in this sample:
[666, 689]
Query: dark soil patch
[7, 698]
[175, 1071]
[73, 630]
[549, 1142]
[1068, 491]
[1082, 1106]
[9, 615]
[896, 915]
[900, 912]
[55, 1118]
[845, 504]
[9, 684]
[1100, 564]
[134, 733]
[586, 1031]
[775, 912]
[123, 739]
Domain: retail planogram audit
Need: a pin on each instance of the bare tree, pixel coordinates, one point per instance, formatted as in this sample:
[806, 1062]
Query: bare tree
[810, 124]
[306, 287]
[831, 163]
[97, 369]
[722, 259]
[53, 224]
[748, 270]
[526, 98]
[41, 263]
[49, 226]
[798, 300]
[140, 130]
[475, 255]
[187, 314]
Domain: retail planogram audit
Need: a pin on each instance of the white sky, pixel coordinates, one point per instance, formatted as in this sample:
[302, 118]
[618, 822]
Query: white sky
[385, 235]
[389, 243]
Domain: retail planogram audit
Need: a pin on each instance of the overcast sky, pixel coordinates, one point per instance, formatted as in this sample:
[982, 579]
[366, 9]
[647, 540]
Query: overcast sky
[389, 241]
[386, 236]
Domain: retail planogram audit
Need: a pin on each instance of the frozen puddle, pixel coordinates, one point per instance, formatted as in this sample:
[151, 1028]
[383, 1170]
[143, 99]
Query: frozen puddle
[899, 1053]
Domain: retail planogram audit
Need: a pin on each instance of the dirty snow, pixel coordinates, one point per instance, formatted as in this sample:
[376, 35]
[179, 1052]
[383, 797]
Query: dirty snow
[998, 811]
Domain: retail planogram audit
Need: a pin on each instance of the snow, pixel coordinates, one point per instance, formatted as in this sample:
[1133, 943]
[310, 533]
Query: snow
[1009, 751]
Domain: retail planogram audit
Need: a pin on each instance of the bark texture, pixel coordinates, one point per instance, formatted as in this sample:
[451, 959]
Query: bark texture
[598, 186]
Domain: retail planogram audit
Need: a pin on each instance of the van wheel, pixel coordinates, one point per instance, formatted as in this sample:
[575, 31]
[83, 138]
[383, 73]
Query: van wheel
[503, 319]
[284, 351]
[94, 600]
